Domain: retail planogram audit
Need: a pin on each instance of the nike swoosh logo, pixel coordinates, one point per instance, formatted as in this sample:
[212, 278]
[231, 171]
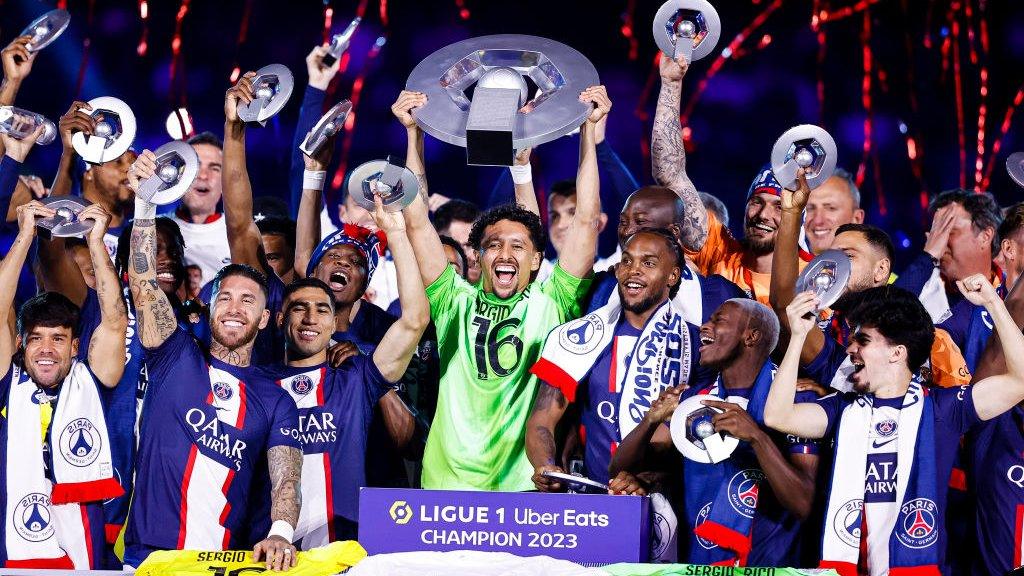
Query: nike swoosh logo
[875, 444]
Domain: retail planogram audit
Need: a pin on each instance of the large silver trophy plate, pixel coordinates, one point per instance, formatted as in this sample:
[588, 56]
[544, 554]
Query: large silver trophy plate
[114, 133]
[177, 166]
[65, 223]
[329, 124]
[1015, 166]
[390, 179]
[827, 276]
[804, 146]
[694, 434]
[271, 87]
[689, 28]
[497, 94]
[46, 28]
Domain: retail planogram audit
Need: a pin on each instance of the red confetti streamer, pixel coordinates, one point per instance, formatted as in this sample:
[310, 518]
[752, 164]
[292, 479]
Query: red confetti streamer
[243, 33]
[627, 29]
[176, 60]
[354, 97]
[86, 43]
[1004, 128]
[822, 50]
[384, 13]
[463, 11]
[866, 102]
[144, 15]
[846, 11]
[958, 81]
[328, 19]
[62, 4]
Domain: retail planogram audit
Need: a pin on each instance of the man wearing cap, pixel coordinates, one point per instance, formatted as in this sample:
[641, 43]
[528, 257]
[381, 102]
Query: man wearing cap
[746, 262]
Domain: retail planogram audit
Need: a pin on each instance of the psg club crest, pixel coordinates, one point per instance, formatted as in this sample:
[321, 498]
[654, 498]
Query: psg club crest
[847, 521]
[222, 390]
[917, 525]
[80, 443]
[583, 335]
[32, 517]
[886, 428]
[743, 489]
[302, 384]
[702, 517]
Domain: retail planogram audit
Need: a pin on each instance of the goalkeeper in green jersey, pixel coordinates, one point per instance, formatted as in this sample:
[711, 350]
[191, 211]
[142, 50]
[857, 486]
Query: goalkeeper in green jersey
[491, 333]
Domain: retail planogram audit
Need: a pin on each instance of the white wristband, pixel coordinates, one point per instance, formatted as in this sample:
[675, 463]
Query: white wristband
[283, 529]
[144, 209]
[313, 179]
[521, 174]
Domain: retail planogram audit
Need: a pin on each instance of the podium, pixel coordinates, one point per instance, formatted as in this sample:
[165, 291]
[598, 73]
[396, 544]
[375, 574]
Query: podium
[591, 530]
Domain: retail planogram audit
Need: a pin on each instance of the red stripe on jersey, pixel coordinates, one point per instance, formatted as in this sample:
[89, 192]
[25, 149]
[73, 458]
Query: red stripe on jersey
[185, 479]
[240, 423]
[88, 534]
[1018, 536]
[958, 480]
[330, 496]
[613, 376]
[227, 508]
[320, 392]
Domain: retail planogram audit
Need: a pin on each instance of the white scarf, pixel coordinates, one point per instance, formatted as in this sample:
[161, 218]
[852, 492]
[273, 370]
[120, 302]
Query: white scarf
[45, 518]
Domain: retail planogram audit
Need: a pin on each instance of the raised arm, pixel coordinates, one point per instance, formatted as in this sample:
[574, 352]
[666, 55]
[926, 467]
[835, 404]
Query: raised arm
[153, 312]
[17, 63]
[10, 269]
[243, 234]
[307, 226]
[320, 77]
[106, 347]
[285, 467]
[786, 268]
[425, 242]
[781, 411]
[548, 409]
[522, 178]
[583, 232]
[998, 393]
[669, 157]
[74, 120]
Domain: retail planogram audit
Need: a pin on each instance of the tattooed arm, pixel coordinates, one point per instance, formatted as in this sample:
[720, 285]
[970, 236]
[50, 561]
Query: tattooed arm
[106, 347]
[153, 312]
[425, 242]
[548, 409]
[669, 157]
[285, 464]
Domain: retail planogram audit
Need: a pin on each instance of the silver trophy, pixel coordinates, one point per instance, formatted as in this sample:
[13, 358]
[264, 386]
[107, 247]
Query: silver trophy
[329, 124]
[45, 29]
[479, 95]
[65, 223]
[177, 166]
[1015, 167]
[113, 135]
[827, 276]
[804, 146]
[689, 28]
[271, 87]
[340, 42]
[576, 483]
[693, 432]
[21, 123]
[390, 179]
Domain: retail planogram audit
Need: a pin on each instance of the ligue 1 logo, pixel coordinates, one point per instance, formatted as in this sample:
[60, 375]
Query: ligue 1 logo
[32, 518]
[702, 517]
[222, 390]
[583, 335]
[743, 489]
[917, 525]
[80, 443]
[846, 522]
[400, 512]
[302, 384]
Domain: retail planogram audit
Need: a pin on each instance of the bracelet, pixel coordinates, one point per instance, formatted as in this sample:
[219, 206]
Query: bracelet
[313, 179]
[283, 529]
[144, 209]
[521, 174]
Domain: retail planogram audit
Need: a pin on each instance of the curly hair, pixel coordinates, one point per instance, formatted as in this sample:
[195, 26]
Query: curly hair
[899, 316]
[672, 243]
[513, 213]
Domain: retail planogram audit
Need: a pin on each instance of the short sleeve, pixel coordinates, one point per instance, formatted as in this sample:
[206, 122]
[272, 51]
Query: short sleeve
[443, 294]
[164, 362]
[566, 290]
[796, 444]
[284, 429]
[833, 406]
[954, 408]
[376, 384]
[827, 363]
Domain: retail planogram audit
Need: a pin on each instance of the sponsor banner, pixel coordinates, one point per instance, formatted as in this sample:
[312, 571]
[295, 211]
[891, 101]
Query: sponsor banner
[585, 528]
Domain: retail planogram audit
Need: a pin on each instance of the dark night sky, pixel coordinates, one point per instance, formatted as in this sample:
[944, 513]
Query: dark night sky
[746, 106]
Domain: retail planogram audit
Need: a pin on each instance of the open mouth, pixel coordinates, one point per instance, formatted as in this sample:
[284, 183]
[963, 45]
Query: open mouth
[232, 323]
[308, 334]
[337, 281]
[633, 288]
[821, 232]
[762, 227]
[167, 277]
[706, 340]
[504, 274]
[46, 363]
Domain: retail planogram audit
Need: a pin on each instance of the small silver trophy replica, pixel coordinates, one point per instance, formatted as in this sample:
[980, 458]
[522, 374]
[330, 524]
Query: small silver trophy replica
[390, 179]
[65, 223]
[497, 94]
[805, 146]
[329, 124]
[177, 166]
[45, 29]
[113, 135]
[21, 123]
[271, 87]
[693, 432]
[827, 276]
[689, 28]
